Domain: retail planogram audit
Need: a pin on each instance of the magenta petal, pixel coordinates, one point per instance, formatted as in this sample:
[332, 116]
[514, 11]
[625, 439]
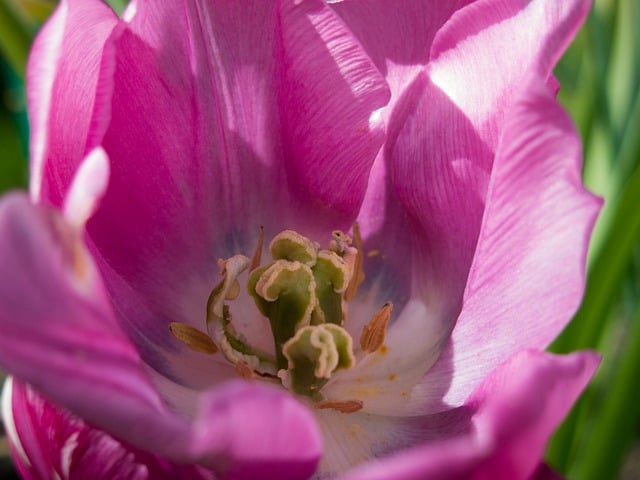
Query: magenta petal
[58, 330]
[527, 278]
[482, 55]
[544, 472]
[65, 102]
[243, 120]
[328, 90]
[516, 409]
[522, 402]
[217, 130]
[49, 442]
[397, 35]
[257, 432]
[229, 437]
[59, 334]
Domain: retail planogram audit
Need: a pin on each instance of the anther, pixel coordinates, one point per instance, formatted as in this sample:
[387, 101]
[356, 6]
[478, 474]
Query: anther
[345, 406]
[358, 271]
[243, 369]
[257, 256]
[373, 333]
[193, 338]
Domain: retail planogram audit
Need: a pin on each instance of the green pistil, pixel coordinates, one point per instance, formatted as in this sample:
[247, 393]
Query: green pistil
[301, 293]
[285, 293]
[313, 354]
[240, 345]
[292, 246]
[330, 273]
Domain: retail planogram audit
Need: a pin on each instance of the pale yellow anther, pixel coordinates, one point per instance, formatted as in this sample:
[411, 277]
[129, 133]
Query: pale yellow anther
[341, 241]
[373, 333]
[345, 406]
[257, 256]
[357, 276]
[193, 338]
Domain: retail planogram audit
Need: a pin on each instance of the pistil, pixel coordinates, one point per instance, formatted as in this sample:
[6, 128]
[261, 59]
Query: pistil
[303, 291]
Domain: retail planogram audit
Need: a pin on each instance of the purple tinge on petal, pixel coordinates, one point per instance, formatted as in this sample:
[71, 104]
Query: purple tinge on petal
[59, 334]
[50, 443]
[516, 409]
[66, 105]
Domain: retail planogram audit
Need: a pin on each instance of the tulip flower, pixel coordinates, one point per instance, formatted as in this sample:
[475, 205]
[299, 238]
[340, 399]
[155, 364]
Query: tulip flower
[294, 240]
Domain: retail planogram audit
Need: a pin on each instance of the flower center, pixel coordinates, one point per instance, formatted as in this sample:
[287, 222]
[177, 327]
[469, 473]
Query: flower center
[303, 291]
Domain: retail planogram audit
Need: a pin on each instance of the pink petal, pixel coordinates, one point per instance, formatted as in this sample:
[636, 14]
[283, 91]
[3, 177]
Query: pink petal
[445, 124]
[516, 409]
[217, 130]
[481, 56]
[397, 35]
[65, 104]
[60, 335]
[527, 278]
[58, 330]
[49, 442]
[87, 188]
[248, 431]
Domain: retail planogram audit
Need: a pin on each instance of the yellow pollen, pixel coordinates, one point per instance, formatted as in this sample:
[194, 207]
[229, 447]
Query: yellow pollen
[346, 406]
[193, 338]
[392, 377]
[358, 270]
[373, 333]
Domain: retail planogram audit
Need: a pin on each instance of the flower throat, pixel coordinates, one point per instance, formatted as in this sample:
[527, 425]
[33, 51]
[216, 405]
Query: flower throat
[303, 291]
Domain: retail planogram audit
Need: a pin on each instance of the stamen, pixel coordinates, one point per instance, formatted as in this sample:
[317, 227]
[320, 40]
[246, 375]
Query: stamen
[233, 292]
[193, 338]
[373, 333]
[230, 268]
[358, 271]
[257, 256]
[243, 369]
[346, 406]
[340, 243]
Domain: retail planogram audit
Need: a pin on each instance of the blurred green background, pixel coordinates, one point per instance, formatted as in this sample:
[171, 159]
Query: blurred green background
[600, 77]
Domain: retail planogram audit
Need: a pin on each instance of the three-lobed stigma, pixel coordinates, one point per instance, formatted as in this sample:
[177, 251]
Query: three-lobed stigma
[303, 291]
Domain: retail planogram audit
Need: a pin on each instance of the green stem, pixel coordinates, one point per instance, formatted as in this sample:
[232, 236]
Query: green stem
[602, 289]
[15, 38]
[618, 415]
